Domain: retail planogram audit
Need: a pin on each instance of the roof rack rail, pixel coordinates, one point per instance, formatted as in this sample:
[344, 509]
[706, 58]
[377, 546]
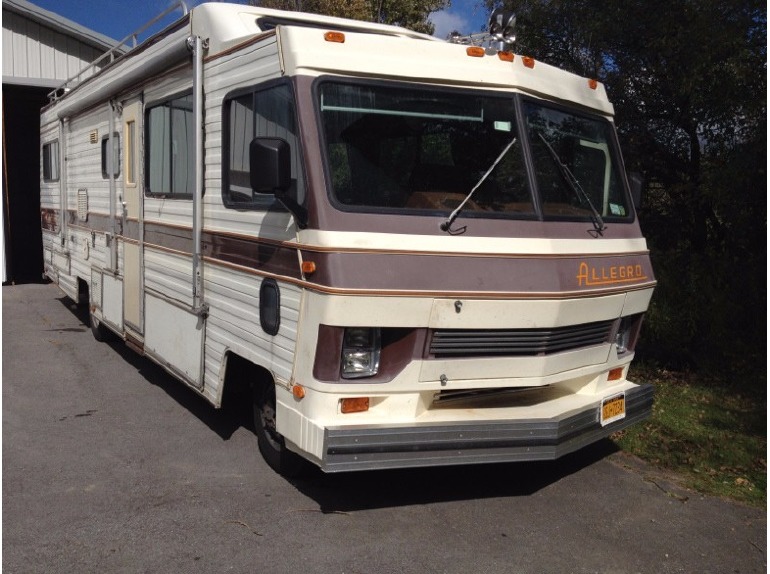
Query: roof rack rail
[117, 49]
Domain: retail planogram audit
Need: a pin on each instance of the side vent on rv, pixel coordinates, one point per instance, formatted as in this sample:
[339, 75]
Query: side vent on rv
[270, 306]
[93, 137]
[83, 204]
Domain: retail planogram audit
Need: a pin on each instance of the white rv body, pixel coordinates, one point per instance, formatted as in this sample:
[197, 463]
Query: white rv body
[200, 283]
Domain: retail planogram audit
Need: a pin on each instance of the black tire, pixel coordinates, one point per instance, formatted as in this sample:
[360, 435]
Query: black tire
[271, 444]
[101, 333]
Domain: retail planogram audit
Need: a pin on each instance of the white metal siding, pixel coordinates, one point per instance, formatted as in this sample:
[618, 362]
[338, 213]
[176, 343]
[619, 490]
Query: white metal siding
[84, 160]
[233, 296]
[246, 68]
[34, 52]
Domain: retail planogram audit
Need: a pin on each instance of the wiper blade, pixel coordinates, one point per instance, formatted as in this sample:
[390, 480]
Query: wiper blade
[450, 220]
[576, 188]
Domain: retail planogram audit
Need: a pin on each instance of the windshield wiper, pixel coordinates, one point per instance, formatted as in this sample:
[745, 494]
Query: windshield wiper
[450, 220]
[576, 188]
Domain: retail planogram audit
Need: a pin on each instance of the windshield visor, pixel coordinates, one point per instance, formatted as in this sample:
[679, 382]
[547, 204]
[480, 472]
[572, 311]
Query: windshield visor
[575, 165]
[423, 151]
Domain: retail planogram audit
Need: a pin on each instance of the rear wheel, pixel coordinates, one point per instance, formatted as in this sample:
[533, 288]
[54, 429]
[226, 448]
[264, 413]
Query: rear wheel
[271, 443]
[100, 332]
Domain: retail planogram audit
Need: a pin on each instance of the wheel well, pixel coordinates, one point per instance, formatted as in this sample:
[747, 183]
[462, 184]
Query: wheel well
[83, 295]
[240, 377]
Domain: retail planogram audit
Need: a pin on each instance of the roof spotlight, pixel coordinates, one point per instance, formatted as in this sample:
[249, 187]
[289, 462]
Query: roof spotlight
[501, 25]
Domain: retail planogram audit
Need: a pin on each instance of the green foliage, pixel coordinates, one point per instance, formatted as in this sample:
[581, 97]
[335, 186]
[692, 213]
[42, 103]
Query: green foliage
[688, 81]
[412, 14]
[706, 431]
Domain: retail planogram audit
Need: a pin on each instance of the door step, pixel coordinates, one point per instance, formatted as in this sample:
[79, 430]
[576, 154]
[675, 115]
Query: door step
[135, 342]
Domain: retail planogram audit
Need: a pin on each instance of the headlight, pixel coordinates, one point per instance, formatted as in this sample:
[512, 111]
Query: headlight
[625, 340]
[360, 352]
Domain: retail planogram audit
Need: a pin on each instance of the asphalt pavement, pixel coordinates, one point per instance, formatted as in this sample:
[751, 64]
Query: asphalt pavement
[109, 465]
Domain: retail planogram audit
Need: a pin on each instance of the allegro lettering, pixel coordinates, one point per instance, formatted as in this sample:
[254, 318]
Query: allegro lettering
[589, 275]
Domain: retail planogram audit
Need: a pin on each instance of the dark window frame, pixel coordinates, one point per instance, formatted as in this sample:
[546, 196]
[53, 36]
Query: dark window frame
[115, 155]
[259, 202]
[51, 162]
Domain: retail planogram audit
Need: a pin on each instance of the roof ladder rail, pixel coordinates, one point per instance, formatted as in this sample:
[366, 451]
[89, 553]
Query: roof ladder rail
[66, 86]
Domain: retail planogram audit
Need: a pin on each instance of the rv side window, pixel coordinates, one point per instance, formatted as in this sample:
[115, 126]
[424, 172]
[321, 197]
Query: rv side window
[170, 141]
[115, 155]
[266, 112]
[51, 161]
[130, 155]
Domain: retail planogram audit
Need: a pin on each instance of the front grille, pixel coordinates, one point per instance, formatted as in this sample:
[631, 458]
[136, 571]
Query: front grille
[518, 342]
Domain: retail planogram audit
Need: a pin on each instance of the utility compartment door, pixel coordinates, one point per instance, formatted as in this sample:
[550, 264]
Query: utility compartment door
[133, 217]
[175, 337]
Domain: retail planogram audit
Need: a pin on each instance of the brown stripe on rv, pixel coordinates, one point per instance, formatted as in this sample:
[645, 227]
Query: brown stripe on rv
[269, 257]
[434, 273]
[391, 273]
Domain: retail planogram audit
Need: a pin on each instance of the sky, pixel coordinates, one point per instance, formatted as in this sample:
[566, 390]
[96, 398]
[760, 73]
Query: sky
[119, 18]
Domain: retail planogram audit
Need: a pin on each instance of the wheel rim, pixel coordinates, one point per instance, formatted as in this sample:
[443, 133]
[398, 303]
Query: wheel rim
[267, 421]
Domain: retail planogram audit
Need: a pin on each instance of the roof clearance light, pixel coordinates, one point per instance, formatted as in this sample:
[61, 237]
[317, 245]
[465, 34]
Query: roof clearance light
[337, 37]
[505, 56]
[593, 84]
[528, 62]
[475, 51]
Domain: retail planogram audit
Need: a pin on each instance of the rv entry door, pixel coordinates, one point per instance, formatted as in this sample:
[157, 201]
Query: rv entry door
[133, 220]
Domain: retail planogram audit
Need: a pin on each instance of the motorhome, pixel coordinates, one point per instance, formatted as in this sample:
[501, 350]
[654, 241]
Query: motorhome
[412, 251]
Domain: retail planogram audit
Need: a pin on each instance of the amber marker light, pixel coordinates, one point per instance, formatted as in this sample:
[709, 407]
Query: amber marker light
[354, 405]
[593, 84]
[615, 374]
[528, 61]
[505, 56]
[298, 391]
[337, 37]
[308, 267]
[475, 51]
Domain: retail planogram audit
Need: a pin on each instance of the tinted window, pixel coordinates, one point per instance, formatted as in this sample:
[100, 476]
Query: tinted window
[170, 144]
[268, 112]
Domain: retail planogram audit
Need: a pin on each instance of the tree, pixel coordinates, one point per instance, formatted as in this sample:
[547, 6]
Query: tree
[688, 81]
[412, 14]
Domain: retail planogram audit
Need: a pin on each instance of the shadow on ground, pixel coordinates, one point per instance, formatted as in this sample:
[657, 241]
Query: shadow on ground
[348, 492]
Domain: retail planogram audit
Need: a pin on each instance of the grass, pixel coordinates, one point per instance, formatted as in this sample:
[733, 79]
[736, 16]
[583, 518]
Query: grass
[706, 430]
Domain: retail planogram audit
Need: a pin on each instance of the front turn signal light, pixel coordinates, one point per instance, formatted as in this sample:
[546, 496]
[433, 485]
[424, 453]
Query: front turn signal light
[354, 405]
[615, 374]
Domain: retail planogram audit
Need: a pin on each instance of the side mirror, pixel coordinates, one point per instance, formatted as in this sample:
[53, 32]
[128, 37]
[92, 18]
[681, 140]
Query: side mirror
[270, 173]
[636, 182]
[270, 165]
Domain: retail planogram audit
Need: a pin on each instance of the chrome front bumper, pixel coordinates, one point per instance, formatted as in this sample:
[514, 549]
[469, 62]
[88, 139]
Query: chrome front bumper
[365, 448]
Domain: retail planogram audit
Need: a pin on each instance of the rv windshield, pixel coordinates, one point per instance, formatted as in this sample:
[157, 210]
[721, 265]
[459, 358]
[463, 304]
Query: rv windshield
[412, 150]
[575, 166]
[420, 150]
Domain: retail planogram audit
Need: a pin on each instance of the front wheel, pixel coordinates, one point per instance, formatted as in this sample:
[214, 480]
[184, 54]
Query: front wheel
[271, 443]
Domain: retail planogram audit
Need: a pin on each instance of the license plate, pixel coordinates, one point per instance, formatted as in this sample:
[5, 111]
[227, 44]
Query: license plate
[613, 409]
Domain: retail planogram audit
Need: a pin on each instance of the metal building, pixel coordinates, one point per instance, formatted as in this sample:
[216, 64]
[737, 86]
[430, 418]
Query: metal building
[40, 51]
